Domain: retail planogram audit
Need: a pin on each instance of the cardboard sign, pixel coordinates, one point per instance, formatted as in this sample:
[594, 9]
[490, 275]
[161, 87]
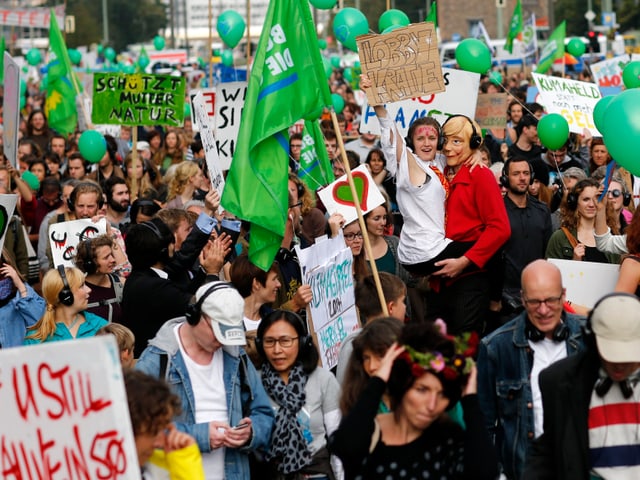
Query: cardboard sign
[64, 237]
[587, 282]
[572, 99]
[401, 64]
[491, 110]
[229, 104]
[208, 143]
[459, 97]
[333, 308]
[11, 109]
[138, 99]
[608, 73]
[64, 412]
[336, 197]
[7, 206]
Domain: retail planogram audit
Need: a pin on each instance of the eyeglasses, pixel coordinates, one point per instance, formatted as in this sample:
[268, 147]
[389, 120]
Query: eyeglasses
[352, 236]
[551, 302]
[614, 193]
[285, 342]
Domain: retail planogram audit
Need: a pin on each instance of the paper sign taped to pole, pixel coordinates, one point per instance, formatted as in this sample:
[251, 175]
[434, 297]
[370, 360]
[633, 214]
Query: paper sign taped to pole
[208, 142]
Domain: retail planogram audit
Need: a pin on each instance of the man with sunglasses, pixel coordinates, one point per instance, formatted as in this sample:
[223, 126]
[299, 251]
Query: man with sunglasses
[511, 358]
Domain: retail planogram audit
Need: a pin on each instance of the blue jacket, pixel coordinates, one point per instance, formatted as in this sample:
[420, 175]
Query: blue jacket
[505, 360]
[18, 315]
[241, 402]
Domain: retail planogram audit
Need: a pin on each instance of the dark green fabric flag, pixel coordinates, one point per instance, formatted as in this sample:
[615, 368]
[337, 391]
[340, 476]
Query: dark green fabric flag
[315, 167]
[432, 16]
[515, 27]
[287, 83]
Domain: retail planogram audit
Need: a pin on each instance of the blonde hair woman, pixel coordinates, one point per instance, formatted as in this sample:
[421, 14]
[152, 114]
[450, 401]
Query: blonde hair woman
[65, 318]
[186, 180]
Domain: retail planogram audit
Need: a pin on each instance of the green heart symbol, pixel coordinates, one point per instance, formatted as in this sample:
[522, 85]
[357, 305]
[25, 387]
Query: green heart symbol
[342, 191]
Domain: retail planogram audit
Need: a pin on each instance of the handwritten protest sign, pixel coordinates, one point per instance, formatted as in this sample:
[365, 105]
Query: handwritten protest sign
[7, 206]
[327, 266]
[138, 99]
[64, 412]
[608, 73]
[460, 97]
[11, 109]
[208, 143]
[209, 98]
[64, 237]
[229, 103]
[401, 64]
[336, 197]
[572, 99]
[491, 110]
[578, 278]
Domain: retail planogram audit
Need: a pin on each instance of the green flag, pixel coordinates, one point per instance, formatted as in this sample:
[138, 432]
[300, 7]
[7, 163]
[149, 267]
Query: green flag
[315, 167]
[432, 16]
[60, 103]
[287, 83]
[554, 48]
[515, 27]
[2, 48]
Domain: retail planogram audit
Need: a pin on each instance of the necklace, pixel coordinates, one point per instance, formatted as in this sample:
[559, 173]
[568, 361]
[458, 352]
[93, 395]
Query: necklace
[76, 319]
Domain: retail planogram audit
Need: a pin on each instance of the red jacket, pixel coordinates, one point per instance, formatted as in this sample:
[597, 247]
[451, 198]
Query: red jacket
[476, 213]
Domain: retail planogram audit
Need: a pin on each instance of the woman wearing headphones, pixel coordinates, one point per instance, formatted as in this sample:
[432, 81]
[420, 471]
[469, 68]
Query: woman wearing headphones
[65, 318]
[95, 258]
[304, 397]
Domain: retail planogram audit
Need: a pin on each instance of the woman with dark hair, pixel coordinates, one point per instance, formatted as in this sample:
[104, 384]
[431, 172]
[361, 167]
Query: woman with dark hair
[304, 396]
[425, 374]
[377, 164]
[95, 257]
[352, 234]
[146, 178]
[171, 153]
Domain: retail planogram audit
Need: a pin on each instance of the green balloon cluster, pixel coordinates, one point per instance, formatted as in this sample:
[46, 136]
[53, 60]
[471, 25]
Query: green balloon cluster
[553, 131]
[230, 27]
[392, 18]
[473, 55]
[92, 146]
[348, 24]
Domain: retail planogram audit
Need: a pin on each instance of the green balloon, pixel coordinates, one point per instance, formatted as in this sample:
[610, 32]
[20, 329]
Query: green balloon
[323, 4]
[335, 61]
[473, 55]
[23, 101]
[25, 69]
[92, 146]
[230, 27]
[328, 69]
[110, 54]
[598, 111]
[143, 61]
[43, 83]
[227, 58]
[553, 131]
[631, 75]
[495, 77]
[338, 102]
[348, 24]
[34, 57]
[75, 56]
[187, 109]
[348, 74]
[392, 17]
[356, 65]
[23, 86]
[576, 47]
[622, 129]
[31, 180]
[100, 49]
[322, 44]
[158, 42]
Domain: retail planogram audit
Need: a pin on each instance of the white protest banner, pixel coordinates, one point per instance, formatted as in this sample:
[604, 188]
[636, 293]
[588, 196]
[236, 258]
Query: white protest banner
[64, 237]
[327, 267]
[11, 109]
[336, 197]
[208, 143]
[64, 412]
[209, 97]
[572, 99]
[7, 206]
[459, 98]
[608, 73]
[229, 104]
[31, 17]
[587, 282]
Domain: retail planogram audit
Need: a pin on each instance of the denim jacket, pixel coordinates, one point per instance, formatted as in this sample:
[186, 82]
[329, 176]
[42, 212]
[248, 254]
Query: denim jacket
[505, 360]
[249, 399]
[18, 315]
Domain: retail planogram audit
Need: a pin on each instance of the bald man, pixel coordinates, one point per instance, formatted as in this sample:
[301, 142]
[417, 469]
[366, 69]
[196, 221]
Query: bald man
[511, 358]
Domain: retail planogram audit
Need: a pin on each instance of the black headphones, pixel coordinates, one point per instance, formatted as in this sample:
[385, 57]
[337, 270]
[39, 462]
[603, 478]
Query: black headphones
[504, 178]
[164, 240]
[83, 250]
[533, 333]
[409, 142]
[95, 188]
[65, 297]
[304, 341]
[194, 310]
[475, 140]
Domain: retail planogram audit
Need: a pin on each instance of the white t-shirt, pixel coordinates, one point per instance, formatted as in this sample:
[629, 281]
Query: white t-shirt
[207, 383]
[250, 325]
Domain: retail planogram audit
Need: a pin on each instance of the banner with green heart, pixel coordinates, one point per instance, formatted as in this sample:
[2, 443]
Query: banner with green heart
[337, 198]
[7, 206]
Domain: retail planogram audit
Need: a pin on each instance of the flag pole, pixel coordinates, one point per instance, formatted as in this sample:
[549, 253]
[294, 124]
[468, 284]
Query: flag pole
[134, 163]
[210, 46]
[356, 203]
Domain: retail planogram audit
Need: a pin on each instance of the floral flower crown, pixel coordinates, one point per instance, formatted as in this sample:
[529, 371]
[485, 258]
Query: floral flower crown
[465, 347]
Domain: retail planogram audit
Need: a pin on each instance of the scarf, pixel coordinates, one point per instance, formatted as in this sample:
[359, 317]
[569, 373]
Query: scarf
[288, 445]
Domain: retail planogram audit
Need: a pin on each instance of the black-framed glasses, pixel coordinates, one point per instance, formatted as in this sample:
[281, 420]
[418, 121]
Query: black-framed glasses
[285, 342]
[615, 193]
[551, 302]
[352, 236]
